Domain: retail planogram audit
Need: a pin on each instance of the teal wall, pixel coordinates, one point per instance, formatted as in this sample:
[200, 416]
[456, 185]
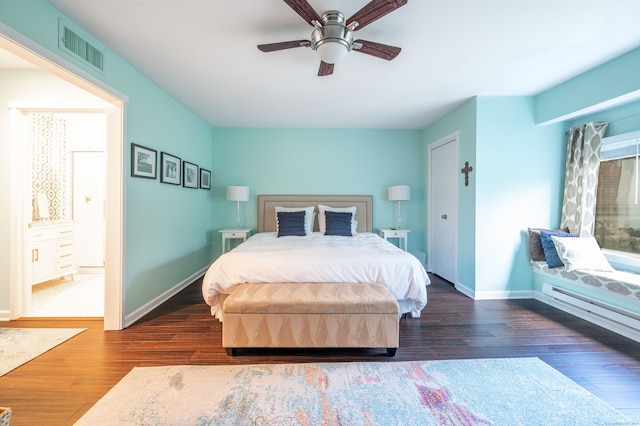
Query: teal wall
[516, 183]
[519, 185]
[321, 161]
[168, 228]
[617, 78]
[622, 119]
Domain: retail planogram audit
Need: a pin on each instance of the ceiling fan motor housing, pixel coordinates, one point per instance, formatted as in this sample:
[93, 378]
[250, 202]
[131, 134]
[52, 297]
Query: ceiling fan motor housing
[332, 34]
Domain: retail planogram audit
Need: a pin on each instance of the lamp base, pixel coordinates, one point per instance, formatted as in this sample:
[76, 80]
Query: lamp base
[399, 218]
[238, 216]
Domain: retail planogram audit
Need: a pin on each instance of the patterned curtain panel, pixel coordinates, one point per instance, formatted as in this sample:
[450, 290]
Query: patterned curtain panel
[49, 167]
[581, 181]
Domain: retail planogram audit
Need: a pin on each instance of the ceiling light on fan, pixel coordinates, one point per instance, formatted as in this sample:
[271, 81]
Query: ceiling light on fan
[331, 39]
[332, 51]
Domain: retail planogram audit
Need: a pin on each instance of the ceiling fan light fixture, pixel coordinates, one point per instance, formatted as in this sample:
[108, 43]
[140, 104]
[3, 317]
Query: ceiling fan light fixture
[332, 51]
[332, 36]
[331, 39]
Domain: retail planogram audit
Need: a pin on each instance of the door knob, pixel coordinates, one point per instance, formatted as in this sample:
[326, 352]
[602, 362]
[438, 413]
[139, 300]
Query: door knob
[444, 216]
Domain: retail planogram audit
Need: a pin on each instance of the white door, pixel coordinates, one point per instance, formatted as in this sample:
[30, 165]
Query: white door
[443, 211]
[88, 207]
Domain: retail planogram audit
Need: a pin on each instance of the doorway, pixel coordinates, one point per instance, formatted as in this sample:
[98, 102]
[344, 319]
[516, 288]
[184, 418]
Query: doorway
[22, 47]
[68, 176]
[443, 207]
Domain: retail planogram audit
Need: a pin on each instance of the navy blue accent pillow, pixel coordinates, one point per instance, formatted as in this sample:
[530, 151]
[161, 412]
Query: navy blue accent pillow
[535, 245]
[550, 252]
[291, 224]
[338, 223]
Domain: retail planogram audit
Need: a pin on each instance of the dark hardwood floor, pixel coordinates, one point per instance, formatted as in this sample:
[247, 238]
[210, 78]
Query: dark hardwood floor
[59, 386]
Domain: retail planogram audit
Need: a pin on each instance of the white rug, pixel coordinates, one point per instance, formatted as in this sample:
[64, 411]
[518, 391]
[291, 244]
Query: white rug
[20, 345]
[509, 392]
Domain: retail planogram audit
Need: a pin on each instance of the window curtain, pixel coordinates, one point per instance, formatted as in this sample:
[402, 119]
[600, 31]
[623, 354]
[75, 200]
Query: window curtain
[581, 181]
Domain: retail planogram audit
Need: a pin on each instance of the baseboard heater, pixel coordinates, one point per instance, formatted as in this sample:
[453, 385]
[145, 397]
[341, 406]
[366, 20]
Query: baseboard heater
[604, 310]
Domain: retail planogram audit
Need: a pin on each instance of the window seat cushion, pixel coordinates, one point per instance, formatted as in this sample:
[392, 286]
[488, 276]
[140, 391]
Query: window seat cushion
[622, 283]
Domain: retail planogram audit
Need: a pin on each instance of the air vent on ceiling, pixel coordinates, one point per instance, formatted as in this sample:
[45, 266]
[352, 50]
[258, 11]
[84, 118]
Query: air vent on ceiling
[77, 46]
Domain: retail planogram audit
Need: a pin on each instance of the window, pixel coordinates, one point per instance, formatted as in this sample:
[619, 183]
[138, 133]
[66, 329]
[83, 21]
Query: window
[617, 206]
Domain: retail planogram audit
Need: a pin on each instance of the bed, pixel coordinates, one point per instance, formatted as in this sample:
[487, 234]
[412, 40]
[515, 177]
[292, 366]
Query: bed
[362, 258]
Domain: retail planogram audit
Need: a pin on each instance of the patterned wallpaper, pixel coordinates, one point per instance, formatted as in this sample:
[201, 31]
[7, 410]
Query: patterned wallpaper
[50, 170]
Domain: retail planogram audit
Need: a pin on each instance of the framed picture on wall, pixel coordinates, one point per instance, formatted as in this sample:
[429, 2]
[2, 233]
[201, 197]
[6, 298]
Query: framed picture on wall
[143, 161]
[189, 175]
[170, 166]
[205, 179]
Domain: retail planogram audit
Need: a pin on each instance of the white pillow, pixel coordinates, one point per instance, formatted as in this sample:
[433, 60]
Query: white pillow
[308, 216]
[581, 253]
[322, 220]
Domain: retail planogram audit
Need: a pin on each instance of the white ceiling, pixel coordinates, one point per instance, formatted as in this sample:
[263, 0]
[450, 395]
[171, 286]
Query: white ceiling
[203, 52]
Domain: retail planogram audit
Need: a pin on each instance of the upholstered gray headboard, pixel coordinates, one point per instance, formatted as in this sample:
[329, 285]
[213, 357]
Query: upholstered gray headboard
[267, 208]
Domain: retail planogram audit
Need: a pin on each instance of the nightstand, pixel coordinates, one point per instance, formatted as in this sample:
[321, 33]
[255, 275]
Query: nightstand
[400, 234]
[233, 234]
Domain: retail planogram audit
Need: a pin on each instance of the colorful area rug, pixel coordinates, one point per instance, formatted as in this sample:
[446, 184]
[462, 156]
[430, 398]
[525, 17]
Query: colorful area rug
[467, 392]
[20, 345]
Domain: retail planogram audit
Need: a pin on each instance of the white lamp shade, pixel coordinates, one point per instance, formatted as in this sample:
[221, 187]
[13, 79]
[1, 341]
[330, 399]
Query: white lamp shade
[331, 52]
[399, 193]
[237, 193]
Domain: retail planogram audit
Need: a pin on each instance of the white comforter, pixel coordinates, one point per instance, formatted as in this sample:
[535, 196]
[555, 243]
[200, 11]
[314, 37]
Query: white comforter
[365, 258]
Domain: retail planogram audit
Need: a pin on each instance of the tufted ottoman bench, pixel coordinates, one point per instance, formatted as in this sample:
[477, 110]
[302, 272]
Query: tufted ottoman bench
[310, 315]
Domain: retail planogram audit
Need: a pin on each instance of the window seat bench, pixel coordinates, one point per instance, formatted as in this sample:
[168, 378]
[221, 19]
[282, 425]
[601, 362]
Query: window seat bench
[609, 299]
[626, 284]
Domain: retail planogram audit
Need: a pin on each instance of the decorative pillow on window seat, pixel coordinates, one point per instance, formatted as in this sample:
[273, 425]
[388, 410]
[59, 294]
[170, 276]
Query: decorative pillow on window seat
[550, 252]
[581, 253]
[535, 245]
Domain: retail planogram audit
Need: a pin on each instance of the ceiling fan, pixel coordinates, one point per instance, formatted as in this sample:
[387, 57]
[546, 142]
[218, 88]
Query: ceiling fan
[332, 37]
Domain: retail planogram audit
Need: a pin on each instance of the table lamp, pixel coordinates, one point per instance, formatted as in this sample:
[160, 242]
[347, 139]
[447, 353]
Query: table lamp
[237, 194]
[399, 193]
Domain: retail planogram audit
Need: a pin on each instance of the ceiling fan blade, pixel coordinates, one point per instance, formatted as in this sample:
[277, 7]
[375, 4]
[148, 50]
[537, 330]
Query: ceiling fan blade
[272, 47]
[325, 69]
[375, 10]
[304, 9]
[379, 50]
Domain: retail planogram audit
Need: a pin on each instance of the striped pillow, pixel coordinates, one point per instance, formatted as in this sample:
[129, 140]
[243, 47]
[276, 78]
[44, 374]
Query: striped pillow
[338, 223]
[291, 224]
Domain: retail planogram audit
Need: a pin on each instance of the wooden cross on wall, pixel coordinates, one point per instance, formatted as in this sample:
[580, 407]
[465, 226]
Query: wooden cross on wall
[467, 169]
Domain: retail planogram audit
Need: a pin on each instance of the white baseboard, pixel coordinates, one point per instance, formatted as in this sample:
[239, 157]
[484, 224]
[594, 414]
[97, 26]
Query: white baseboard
[494, 295]
[160, 299]
[465, 290]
